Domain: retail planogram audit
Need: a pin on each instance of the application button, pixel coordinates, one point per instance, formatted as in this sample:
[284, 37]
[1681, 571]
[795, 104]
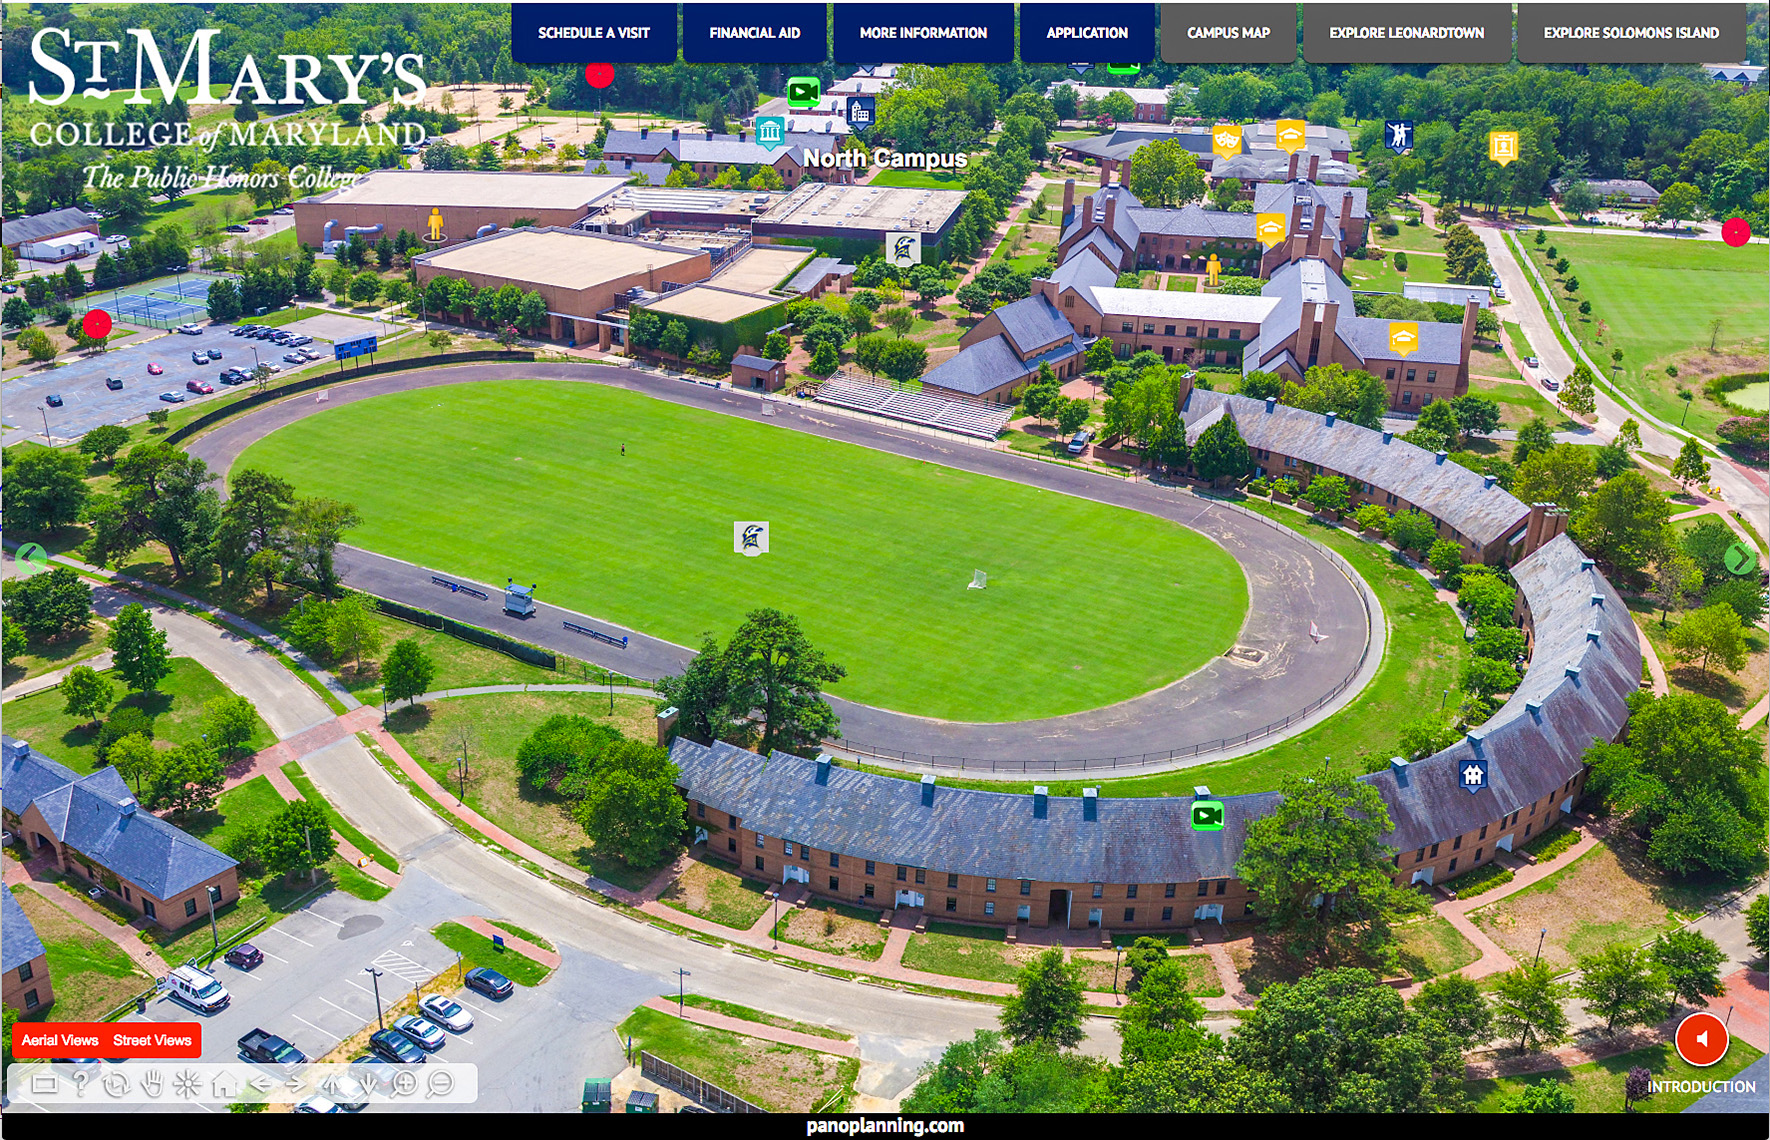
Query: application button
[1059, 33]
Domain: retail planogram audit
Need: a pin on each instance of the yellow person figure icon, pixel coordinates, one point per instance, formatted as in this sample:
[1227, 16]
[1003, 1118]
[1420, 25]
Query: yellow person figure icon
[1213, 267]
[436, 224]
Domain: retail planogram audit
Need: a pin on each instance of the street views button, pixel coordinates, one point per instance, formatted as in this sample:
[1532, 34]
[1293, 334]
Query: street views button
[107, 1040]
[586, 33]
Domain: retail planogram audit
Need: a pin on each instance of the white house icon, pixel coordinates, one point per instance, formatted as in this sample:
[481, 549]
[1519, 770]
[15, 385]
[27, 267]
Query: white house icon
[1473, 776]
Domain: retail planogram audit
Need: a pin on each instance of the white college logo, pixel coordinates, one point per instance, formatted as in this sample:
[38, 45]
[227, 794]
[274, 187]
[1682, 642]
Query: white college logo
[749, 538]
[903, 250]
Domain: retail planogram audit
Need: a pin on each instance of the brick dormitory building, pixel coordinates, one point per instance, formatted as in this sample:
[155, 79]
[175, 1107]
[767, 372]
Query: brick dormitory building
[1135, 863]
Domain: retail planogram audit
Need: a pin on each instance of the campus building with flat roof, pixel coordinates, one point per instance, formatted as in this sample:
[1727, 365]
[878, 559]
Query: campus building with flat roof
[852, 221]
[468, 202]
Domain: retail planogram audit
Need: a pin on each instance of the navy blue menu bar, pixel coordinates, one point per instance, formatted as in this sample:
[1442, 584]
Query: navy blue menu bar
[593, 33]
[925, 33]
[1087, 33]
[754, 33]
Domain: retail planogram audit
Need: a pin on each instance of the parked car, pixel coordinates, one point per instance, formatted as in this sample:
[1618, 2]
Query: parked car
[242, 330]
[392, 1045]
[155, 369]
[245, 956]
[172, 397]
[190, 329]
[113, 383]
[214, 355]
[429, 1037]
[1551, 384]
[315, 1103]
[1079, 442]
[490, 982]
[274, 368]
[1531, 362]
[52, 400]
[199, 358]
[294, 358]
[9, 287]
[268, 1049]
[446, 1012]
[115, 239]
[301, 340]
[199, 990]
[308, 354]
[238, 229]
[285, 211]
[232, 376]
[200, 387]
[261, 221]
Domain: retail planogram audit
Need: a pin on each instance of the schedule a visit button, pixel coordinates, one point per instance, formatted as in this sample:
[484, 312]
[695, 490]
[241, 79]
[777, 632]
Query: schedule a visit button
[593, 33]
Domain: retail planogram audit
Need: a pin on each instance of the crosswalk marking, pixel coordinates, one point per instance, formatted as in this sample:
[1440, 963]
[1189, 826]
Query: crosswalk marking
[404, 968]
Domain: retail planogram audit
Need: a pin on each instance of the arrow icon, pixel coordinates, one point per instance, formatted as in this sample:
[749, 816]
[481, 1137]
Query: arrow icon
[263, 1084]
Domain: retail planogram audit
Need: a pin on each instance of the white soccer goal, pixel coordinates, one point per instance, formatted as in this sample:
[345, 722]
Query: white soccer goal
[979, 580]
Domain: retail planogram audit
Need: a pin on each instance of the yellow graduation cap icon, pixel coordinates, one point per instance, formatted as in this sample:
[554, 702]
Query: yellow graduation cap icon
[1225, 140]
[1270, 228]
[1404, 336]
[1502, 146]
[1292, 133]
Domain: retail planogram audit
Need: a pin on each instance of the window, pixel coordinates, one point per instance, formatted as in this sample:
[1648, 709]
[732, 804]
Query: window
[1148, 328]
[1435, 851]
[1420, 855]
[1222, 885]
[1478, 851]
[1124, 350]
[952, 882]
[701, 810]
[952, 904]
[1125, 326]
[125, 893]
[760, 841]
[190, 908]
[1023, 913]
[1389, 375]
[1167, 914]
[1431, 375]
[1247, 908]
[1407, 398]
[903, 874]
[921, 877]
[1167, 330]
[1457, 844]
[731, 843]
[1099, 890]
[1234, 334]
[1395, 861]
[835, 860]
[1069, 300]
[1130, 914]
[787, 846]
[1410, 375]
[1210, 356]
[989, 885]
[1026, 886]
[759, 862]
[731, 821]
[1168, 890]
[1087, 330]
[869, 866]
[1527, 828]
[1191, 330]
[31, 999]
[1389, 496]
[1131, 891]
[1452, 868]
[868, 892]
[24, 972]
[1204, 888]
[835, 884]
[147, 907]
[989, 908]
[1212, 334]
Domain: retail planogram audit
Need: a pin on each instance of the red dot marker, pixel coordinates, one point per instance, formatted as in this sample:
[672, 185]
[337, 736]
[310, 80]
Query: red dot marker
[1701, 1039]
[1736, 231]
[96, 324]
[599, 75]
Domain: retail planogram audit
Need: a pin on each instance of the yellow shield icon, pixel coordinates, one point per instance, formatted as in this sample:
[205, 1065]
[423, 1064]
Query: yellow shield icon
[1270, 228]
[1404, 336]
[1225, 140]
[1502, 146]
[1292, 133]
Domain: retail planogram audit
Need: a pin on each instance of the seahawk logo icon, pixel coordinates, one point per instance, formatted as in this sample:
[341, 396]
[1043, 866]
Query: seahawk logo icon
[901, 248]
[749, 538]
[753, 537]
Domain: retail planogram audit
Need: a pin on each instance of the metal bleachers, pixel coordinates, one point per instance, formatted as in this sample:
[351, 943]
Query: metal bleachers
[973, 418]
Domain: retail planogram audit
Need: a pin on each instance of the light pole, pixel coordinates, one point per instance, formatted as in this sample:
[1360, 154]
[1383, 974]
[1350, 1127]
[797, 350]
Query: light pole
[774, 932]
[45, 412]
[680, 974]
[375, 980]
[1539, 945]
[461, 772]
[214, 930]
[1118, 952]
[312, 871]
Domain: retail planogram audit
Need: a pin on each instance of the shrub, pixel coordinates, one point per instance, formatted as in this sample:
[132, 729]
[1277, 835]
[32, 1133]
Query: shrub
[1284, 485]
[1400, 261]
[1552, 842]
[124, 720]
[1260, 485]
[1481, 880]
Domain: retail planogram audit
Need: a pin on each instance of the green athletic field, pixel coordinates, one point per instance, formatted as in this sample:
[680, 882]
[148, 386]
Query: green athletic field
[1087, 604]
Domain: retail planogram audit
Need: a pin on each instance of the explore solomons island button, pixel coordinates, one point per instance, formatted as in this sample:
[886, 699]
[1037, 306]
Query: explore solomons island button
[1701, 1039]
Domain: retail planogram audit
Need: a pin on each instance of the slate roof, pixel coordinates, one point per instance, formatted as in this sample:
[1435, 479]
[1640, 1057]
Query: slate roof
[1078, 272]
[1127, 140]
[1265, 136]
[1531, 752]
[1100, 240]
[761, 362]
[1445, 490]
[18, 938]
[1298, 284]
[655, 172]
[695, 146]
[1263, 165]
[1636, 189]
[1033, 322]
[93, 815]
[989, 364]
[1278, 197]
[1125, 230]
[1195, 220]
[34, 227]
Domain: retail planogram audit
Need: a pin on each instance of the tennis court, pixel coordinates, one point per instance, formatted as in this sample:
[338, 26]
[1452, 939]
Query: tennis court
[158, 302]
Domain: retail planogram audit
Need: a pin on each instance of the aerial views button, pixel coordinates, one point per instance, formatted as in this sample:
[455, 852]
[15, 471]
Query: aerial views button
[1702, 1039]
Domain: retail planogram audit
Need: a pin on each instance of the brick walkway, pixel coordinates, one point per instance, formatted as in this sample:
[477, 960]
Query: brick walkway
[1750, 1017]
[547, 958]
[714, 1020]
[125, 938]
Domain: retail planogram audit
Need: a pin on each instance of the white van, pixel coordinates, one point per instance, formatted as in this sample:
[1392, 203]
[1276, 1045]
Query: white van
[198, 990]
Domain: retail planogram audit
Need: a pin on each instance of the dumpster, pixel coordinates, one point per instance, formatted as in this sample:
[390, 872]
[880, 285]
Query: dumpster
[598, 1095]
[642, 1102]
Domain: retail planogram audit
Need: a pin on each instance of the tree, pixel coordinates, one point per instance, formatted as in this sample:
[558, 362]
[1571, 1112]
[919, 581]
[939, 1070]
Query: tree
[103, 442]
[45, 487]
[1071, 414]
[186, 781]
[1457, 1004]
[134, 757]
[563, 748]
[297, 840]
[1527, 1005]
[976, 299]
[1320, 871]
[17, 314]
[1221, 453]
[364, 288]
[407, 672]
[1691, 963]
[1564, 475]
[85, 694]
[1711, 635]
[1047, 1005]
[1624, 986]
[1623, 522]
[702, 695]
[1328, 494]
[13, 638]
[1141, 957]
[229, 722]
[1675, 577]
[1440, 417]
[51, 605]
[255, 521]
[1498, 642]
[164, 495]
[776, 671]
[1678, 202]
[1446, 559]
[1099, 358]
[1757, 925]
[1372, 516]
[1487, 599]
[1476, 414]
[1745, 598]
[1690, 466]
[1342, 1041]
[1164, 173]
[223, 301]
[1541, 1096]
[353, 630]
[1536, 435]
[1355, 396]
[824, 360]
[1628, 436]
[316, 526]
[1225, 193]
[1412, 530]
[1160, 1018]
[632, 809]
[139, 653]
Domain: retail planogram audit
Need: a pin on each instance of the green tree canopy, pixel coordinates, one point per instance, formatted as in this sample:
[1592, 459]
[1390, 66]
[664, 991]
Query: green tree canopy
[407, 672]
[138, 648]
[632, 809]
[1047, 1006]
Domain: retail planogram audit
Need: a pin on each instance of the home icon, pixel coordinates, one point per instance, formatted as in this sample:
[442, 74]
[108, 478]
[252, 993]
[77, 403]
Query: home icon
[224, 1086]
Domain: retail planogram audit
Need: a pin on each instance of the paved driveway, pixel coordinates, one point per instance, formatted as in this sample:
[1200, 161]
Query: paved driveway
[88, 403]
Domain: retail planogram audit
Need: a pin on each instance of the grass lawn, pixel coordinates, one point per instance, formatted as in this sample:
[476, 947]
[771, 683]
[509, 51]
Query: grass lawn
[1183, 284]
[979, 952]
[459, 664]
[611, 532]
[1519, 403]
[90, 975]
[834, 929]
[498, 723]
[249, 805]
[922, 180]
[781, 1078]
[176, 708]
[1382, 276]
[718, 894]
[339, 824]
[268, 899]
[47, 656]
[1598, 1086]
[745, 1013]
[1201, 975]
[1424, 657]
[1413, 239]
[1487, 359]
[1660, 297]
[528, 936]
[1738, 691]
[1432, 946]
[1608, 895]
[1026, 441]
[290, 316]
[477, 950]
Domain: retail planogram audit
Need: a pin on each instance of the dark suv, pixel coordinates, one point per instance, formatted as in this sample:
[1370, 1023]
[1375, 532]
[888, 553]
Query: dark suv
[392, 1045]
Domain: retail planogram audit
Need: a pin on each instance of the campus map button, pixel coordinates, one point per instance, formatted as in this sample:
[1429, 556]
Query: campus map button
[1061, 33]
[1630, 33]
[926, 33]
[1701, 1039]
[754, 33]
[582, 33]
[1229, 33]
[1407, 33]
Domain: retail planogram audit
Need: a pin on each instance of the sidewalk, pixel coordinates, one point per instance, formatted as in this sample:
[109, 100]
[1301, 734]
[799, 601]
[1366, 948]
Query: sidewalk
[125, 938]
[523, 946]
[755, 1029]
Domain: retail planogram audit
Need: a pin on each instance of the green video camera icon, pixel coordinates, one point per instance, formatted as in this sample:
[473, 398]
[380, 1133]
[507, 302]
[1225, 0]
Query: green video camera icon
[804, 91]
[1207, 815]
